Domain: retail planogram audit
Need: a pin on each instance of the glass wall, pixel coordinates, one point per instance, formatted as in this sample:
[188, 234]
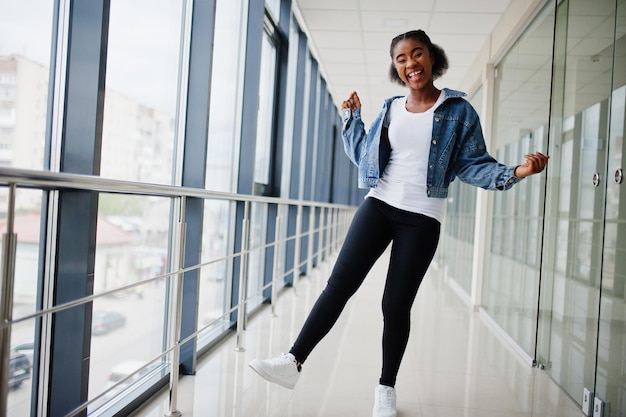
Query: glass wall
[582, 337]
[520, 118]
[135, 131]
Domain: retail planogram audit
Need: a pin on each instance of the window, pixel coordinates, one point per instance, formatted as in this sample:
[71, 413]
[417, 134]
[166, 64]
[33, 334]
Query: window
[266, 117]
[141, 90]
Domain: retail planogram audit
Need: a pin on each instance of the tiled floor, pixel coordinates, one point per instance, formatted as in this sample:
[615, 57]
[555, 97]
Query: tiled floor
[455, 366]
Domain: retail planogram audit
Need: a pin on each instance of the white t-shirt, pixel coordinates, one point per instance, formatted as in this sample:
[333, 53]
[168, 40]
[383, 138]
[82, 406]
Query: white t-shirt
[403, 183]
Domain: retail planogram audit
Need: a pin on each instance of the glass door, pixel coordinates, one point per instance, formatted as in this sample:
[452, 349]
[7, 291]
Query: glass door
[575, 201]
[611, 363]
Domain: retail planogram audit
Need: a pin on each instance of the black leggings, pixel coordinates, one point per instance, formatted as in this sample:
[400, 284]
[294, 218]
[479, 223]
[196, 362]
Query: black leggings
[374, 226]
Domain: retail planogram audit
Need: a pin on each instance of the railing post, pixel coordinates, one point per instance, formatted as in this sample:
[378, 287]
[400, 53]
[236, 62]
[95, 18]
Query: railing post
[176, 303]
[333, 229]
[243, 278]
[329, 231]
[339, 218]
[320, 236]
[276, 271]
[9, 245]
[298, 245]
[309, 254]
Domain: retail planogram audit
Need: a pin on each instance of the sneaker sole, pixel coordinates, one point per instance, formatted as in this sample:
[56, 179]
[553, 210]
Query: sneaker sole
[259, 370]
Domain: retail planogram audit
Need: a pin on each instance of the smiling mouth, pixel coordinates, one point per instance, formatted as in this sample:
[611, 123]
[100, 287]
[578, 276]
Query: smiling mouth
[414, 74]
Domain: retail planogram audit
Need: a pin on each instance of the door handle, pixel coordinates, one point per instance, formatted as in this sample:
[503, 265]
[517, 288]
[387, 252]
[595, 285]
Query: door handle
[596, 179]
[619, 176]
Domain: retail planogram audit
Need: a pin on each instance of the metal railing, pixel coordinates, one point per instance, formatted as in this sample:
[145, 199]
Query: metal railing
[332, 225]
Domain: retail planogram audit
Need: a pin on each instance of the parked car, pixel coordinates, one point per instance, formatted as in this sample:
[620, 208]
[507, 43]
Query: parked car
[105, 321]
[25, 348]
[123, 370]
[19, 369]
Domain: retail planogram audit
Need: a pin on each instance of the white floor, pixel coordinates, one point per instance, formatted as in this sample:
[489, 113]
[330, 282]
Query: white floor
[454, 365]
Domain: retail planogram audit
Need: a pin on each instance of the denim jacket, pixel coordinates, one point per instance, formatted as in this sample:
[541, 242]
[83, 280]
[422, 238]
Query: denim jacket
[457, 149]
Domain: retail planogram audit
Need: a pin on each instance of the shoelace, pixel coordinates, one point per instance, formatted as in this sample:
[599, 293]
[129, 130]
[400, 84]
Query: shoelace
[283, 360]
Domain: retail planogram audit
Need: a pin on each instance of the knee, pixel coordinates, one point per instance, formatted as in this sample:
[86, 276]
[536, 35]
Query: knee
[337, 289]
[343, 283]
[396, 311]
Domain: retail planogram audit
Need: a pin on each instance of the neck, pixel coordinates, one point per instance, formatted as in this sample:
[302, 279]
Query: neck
[423, 99]
[426, 95]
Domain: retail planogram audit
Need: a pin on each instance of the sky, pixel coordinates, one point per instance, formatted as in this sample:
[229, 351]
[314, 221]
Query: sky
[144, 44]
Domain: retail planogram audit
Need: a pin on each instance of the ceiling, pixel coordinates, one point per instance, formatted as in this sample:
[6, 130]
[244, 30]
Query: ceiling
[350, 39]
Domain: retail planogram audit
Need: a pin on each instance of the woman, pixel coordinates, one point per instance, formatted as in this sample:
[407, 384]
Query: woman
[416, 146]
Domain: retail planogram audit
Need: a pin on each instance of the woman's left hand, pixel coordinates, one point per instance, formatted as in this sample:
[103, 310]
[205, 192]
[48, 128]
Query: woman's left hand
[535, 163]
[353, 102]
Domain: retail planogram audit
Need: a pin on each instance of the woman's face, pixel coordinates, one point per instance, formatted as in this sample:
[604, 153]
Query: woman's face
[414, 63]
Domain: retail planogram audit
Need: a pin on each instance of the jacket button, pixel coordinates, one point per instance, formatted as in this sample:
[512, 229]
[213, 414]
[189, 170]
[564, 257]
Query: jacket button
[434, 142]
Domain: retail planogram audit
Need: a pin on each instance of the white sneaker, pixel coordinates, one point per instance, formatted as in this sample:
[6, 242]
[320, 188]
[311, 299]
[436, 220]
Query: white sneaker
[384, 402]
[282, 370]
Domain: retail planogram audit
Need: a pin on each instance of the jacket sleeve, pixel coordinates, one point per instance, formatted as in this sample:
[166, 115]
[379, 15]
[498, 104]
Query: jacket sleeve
[353, 134]
[477, 167]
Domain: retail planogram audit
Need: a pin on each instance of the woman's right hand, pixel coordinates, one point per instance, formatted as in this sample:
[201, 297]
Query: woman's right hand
[352, 102]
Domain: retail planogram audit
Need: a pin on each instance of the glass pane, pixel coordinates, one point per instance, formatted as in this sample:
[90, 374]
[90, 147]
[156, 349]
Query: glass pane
[290, 108]
[583, 61]
[215, 275]
[273, 6]
[610, 375]
[27, 226]
[265, 116]
[128, 324]
[256, 259]
[141, 90]
[225, 110]
[521, 108]
[25, 44]
[457, 251]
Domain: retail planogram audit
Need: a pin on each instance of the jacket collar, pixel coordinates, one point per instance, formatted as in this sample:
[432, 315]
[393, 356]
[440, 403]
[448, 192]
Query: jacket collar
[447, 91]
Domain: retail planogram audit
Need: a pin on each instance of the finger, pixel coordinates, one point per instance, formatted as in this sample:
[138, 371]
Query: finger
[542, 159]
[537, 163]
[355, 99]
[537, 157]
[350, 102]
[531, 164]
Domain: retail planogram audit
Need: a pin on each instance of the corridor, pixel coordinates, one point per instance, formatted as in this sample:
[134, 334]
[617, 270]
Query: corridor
[455, 364]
